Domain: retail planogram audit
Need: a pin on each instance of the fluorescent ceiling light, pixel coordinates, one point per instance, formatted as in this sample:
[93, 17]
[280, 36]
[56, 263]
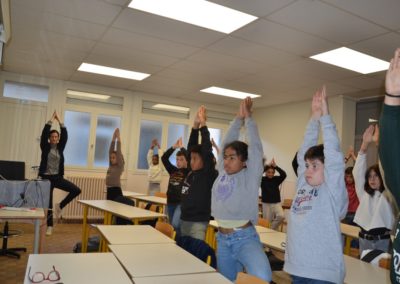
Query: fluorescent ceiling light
[115, 72]
[372, 120]
[87, 95]
[353, 60]
[196, 12]
[228, 93]
[171, 108]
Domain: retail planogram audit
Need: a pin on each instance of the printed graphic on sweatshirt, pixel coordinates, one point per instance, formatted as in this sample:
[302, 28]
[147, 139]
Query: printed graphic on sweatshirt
[224, 188]
[304, 200]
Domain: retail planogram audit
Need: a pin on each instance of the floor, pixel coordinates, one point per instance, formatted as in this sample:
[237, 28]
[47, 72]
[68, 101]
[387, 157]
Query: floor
[65, 236]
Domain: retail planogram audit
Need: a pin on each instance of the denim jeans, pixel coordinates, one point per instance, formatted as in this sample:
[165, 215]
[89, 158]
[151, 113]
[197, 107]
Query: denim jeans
[171, 210]
[242, 250]
[195, 230]
[303, 280]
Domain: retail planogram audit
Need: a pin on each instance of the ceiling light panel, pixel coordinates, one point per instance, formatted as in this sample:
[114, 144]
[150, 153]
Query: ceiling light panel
[196, 12]
[114, 72]
[228, 93]
[353, 60]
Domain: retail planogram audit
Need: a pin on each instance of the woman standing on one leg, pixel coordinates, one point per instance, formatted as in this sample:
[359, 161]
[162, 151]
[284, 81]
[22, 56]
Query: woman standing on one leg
[51, 167]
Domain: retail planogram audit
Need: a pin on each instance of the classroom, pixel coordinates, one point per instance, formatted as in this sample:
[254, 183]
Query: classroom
[274, 54]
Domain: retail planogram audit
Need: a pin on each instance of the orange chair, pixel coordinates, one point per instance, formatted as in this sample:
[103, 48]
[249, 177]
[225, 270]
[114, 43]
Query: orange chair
[166, 229]
[264, 223]
[160, 194]
[244, 278]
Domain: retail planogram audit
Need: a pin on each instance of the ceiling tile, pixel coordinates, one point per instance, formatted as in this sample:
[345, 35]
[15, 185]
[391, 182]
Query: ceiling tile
[101, 80]
[362, 82]
[326, 22]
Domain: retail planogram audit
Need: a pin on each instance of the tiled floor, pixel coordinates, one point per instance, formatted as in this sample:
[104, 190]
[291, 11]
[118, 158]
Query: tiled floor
[64, 237]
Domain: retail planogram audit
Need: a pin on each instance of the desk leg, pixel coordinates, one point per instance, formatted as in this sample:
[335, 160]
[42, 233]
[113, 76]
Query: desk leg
[36, 237]
[135, 221]
[347, 245]
[85, 229]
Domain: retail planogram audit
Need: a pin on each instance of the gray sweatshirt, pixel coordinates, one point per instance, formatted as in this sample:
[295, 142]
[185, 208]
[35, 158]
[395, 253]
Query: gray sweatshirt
[314, 245]
[235, 197]
[114, 172]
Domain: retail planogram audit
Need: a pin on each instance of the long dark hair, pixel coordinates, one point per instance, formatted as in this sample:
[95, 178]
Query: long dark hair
[367, 188]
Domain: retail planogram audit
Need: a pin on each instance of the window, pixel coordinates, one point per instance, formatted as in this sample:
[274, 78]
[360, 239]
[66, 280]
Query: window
[26, 92]
[149, 130]
[216, 134]
[175, 131]
[106, 125]
[78, 126]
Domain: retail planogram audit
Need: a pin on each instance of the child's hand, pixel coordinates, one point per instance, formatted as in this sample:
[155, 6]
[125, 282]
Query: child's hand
[392, 82]
[178, 144]
[248, 104]
[273, 163]
[154, 143]
[196, 122]
[240, 113]
[316, 105]
[367, 138]
[324, 101]
[202, 116]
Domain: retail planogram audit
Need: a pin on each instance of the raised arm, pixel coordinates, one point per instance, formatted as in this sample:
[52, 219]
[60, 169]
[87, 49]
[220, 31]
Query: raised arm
[389, 150]
[150, 153]
[206, 147]
[165, 158]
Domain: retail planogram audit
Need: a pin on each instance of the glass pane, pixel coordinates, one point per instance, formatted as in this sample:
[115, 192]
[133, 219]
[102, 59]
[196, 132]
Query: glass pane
[78, 126]
[24, 91]
[216, 134]
[175, 131]
[106, 125]
[149, 130]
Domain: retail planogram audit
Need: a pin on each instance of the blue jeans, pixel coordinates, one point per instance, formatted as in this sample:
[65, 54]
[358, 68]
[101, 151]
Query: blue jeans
[195, 230]
[304, 280]
[242, 250]
[171, 210]
[174, 216]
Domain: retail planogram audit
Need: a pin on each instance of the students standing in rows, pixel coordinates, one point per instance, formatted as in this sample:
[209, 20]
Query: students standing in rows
[52, 144]
[196, 190]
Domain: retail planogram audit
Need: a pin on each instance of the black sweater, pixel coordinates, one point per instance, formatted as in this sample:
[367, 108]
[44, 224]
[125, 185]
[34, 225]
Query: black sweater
[196, 190]
[270, 192]
[176, 177]
[45, 147]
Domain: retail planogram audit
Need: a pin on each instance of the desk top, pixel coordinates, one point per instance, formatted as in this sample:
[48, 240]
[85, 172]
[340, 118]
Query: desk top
[358, 271]
[259, 229]
[196, 278]
[349, 230]
[153, 199]
[132, 234]
[158, 260]
[121, 210]
[132, 193]
[38, 213]
[275, 240]
[96, 268]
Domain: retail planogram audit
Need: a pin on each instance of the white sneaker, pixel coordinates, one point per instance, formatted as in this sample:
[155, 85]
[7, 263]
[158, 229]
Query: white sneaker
[49, 231]
[57, 211]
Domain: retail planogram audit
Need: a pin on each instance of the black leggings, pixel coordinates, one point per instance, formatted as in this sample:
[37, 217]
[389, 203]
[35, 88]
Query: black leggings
[65, 185]
[113, 192]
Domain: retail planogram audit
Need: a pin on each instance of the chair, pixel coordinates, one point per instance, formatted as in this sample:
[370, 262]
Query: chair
[244, 278]
[160, 194]
[166, 229]
[384, 263]
[199, 249]
[287, 203]
[264, 223]
[6, 234]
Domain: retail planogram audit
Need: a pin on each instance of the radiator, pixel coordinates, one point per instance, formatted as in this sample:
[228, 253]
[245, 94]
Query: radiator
[92, 189]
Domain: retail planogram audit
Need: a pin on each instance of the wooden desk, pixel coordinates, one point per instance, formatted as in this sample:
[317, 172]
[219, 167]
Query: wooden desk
[196, 278]
[152, 199]
[36, 216]
[99, 268]
[158, 260]
[276, 241]
[350, 232]
[132, 193]
[358, 271]
[138, 234]
[111, 208]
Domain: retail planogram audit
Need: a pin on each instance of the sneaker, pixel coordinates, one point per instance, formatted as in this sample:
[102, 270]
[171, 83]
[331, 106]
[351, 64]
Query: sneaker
[49, 231]
[57, 211]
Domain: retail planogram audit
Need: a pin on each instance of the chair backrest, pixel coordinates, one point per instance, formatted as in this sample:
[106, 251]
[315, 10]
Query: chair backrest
[160, 194]
[287, 203]
[264, 222]
[199, 249]
[244, 278]
[384, 263]
[166, 229]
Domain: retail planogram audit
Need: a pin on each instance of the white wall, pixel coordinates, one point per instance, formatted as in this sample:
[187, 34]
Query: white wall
[282, 128]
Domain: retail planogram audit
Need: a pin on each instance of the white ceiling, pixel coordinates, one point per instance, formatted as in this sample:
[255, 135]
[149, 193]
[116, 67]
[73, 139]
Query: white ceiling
[51, 38]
